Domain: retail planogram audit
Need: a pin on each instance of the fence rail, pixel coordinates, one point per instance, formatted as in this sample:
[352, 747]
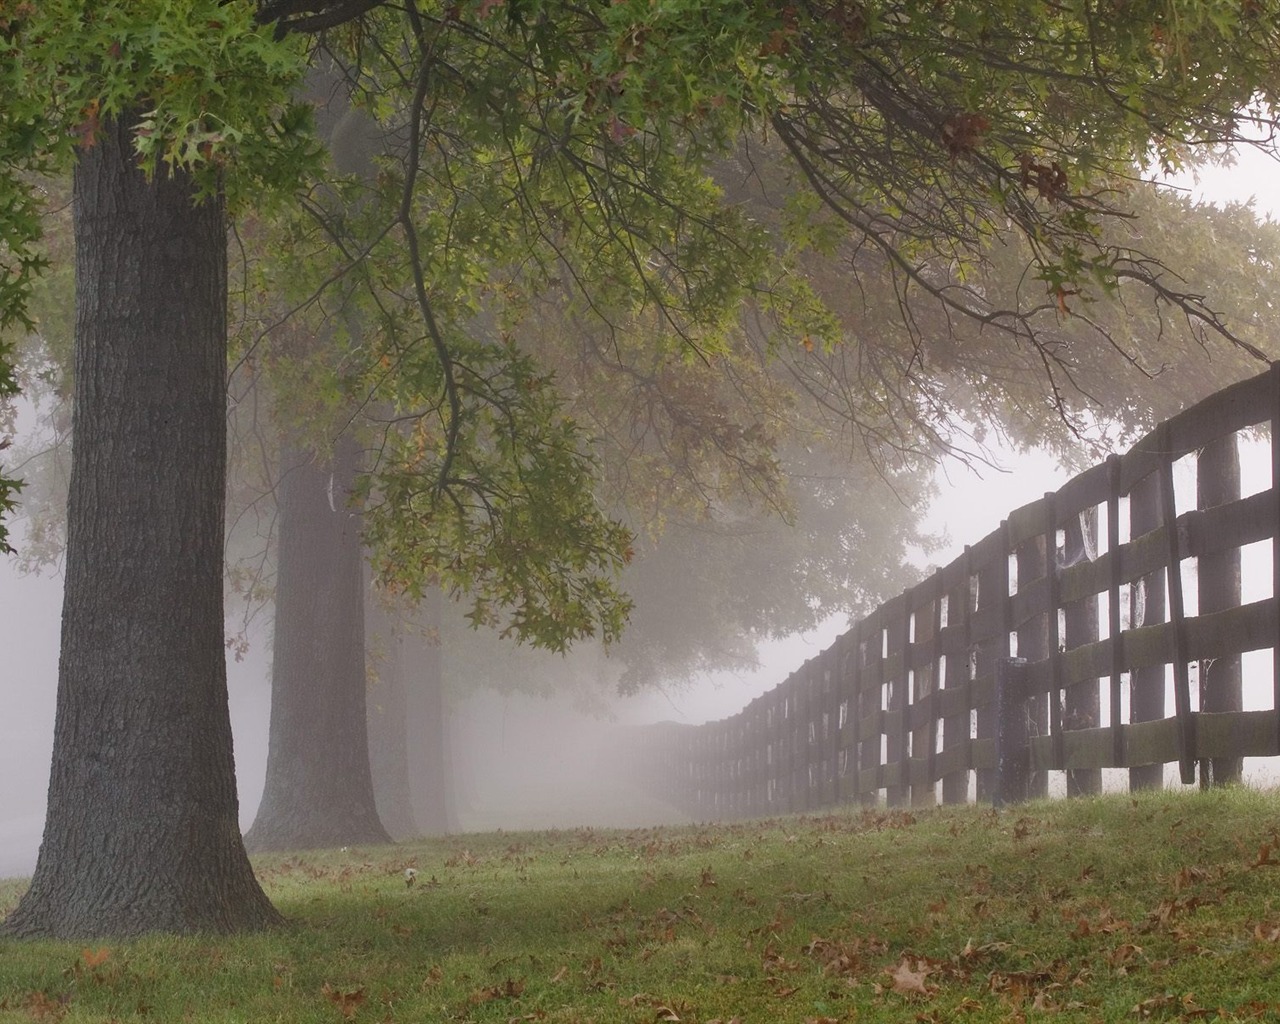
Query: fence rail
[1054, 643]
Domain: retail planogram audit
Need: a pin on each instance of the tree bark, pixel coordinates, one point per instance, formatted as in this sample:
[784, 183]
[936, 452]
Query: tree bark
[142, 828]
[319, 789]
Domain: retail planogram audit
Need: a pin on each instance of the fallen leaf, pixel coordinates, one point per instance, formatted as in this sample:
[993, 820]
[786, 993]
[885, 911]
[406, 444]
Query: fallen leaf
[512, 988]
[909, 982]
[92, 958]
[347, 1002]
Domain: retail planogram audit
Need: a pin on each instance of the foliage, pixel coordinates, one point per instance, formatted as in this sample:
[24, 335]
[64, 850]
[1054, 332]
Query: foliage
[1155, 906]
[205, 81]
[569, 153]
[536, 150]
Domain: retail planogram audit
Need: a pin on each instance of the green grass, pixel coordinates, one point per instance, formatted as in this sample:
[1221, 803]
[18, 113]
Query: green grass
[1160, 907]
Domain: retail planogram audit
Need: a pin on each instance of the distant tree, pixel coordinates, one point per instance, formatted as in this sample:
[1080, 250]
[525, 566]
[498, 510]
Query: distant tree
[318, 666]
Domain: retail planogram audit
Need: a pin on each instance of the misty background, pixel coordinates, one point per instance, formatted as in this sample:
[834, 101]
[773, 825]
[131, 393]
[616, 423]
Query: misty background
[525, 761]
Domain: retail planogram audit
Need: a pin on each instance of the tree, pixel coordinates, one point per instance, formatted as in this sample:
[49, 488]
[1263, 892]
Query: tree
[142, 749]
[142, 831]
[318, 667]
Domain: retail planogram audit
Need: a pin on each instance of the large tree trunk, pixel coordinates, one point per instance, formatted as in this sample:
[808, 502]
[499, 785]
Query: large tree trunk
[408, 730]
[431, 779]
[388, 720]
[319, 790]
[141, 832]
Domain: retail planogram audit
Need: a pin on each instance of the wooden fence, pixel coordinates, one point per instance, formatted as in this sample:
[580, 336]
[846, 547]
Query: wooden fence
[1096, 604]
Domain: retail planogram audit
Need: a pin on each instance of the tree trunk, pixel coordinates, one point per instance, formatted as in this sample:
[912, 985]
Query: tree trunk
[388, 720]
[319, 789]
[141, 833]
[431, 778]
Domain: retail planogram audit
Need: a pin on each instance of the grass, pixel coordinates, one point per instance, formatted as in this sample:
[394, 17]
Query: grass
[1160, 906]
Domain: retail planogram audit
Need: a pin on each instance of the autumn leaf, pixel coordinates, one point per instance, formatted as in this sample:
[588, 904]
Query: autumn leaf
[92, 958]
[1061, 295]
[347, 1001]
[963, 133]
[1166, 1004]
[908, 981]
[619, 130]
[512, 988]
[89, 126]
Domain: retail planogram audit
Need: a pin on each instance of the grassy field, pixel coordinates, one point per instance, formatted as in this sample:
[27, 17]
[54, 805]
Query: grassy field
[1159, 907]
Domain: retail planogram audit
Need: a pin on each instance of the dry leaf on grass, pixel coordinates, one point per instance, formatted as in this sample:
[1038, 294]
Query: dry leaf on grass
[347, 1001]
[909, 980]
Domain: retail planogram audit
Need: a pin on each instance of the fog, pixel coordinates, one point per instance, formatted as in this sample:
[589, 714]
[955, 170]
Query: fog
[519, 762]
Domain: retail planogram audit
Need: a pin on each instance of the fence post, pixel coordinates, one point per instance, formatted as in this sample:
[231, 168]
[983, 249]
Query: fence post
[1034, 563]
[993, 602]
[1081, 703]
[1177, 613]
[871, 703]
[1218, 575]
[924, 739]
[1012, 758]
[955, 728]
[1148, 606]
[897, 676]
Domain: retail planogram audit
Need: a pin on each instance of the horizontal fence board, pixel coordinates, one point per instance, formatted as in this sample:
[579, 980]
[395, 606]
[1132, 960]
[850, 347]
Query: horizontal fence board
[1028, 522]
[1220, 734]
[1087, 490]
[1237, 734]
[1234, 408]
[954, 758]
[1235, 524]
[955, 700]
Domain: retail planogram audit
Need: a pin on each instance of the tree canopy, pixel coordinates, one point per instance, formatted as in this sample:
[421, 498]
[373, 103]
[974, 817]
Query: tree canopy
[537, 145]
